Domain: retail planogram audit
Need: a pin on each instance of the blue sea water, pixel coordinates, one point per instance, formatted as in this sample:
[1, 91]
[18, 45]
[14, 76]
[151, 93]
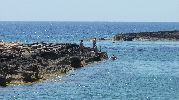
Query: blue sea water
[144, 70]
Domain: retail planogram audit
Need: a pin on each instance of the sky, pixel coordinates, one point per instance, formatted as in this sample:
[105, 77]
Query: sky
[90, 10]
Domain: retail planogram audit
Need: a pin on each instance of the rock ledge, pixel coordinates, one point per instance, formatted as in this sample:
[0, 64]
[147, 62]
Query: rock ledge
[24, 63]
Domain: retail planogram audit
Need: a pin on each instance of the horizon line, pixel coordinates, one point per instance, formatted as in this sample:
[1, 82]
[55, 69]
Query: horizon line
[89, 21]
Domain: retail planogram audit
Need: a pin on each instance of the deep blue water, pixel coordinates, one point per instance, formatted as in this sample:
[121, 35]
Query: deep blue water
[144, 70]
[72, 31]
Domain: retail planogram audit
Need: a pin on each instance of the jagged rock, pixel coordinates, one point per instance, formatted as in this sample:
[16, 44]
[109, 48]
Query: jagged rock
[3, 81]
[30, 62]
[30, 77]
[49, 55]
[76, 62]
[103, 55]
[26, 54]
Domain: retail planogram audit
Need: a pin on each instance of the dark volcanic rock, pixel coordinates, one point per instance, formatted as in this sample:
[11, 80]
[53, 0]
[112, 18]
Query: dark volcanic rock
[49, 55]
[160, 35]
[30, 77]
[76, 62]
[2, 81]
[30, 62]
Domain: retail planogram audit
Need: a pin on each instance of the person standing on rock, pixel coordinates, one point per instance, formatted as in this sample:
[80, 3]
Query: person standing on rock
[81, 47]
[94, 42]
[94, 45]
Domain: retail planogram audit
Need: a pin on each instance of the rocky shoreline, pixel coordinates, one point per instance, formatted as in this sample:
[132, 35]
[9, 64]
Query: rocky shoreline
[149, 36]
[28, 63]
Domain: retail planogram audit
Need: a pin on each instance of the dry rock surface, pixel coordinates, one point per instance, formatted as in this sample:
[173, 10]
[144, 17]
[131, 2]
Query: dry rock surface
[24, 63]
[149, 36]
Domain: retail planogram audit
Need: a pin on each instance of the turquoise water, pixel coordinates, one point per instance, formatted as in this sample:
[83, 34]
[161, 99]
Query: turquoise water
[144, 70]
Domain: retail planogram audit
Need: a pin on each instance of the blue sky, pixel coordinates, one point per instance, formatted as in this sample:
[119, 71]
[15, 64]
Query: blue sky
[90, 10]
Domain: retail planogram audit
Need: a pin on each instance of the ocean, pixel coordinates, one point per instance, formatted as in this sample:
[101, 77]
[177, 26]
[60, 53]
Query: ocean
[144, 70]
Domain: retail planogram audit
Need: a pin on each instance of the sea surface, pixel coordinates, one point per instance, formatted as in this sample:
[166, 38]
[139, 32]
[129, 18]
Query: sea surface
[144, 70]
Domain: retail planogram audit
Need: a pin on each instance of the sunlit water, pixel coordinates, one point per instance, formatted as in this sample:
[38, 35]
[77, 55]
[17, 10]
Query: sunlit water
[143, 71]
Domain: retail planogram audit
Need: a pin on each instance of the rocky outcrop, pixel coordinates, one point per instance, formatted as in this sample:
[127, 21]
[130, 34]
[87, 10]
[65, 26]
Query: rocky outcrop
[2, 81]
[30, 62]
[160, 35]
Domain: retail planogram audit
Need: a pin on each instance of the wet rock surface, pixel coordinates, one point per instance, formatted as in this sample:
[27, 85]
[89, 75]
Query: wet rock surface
[151, 36]
[30, 62]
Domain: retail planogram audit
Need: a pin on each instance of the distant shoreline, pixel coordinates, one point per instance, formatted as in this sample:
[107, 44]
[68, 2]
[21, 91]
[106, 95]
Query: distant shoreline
[148, 36]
